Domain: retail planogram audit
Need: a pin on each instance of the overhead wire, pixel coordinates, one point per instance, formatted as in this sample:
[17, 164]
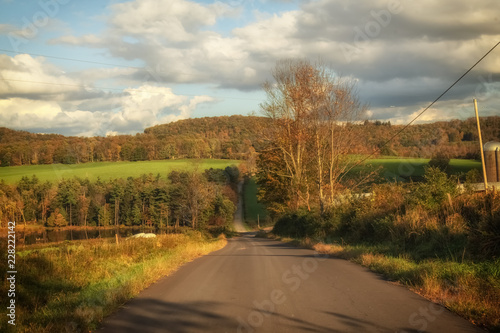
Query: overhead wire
[146, 69]
[105, 88]
[122, 89]
[378, 149]
[132, 67]
[70, 59]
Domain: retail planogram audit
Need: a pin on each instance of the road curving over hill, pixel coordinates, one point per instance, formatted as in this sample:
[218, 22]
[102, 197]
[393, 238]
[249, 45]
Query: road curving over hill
[239, 224]
[262, 285]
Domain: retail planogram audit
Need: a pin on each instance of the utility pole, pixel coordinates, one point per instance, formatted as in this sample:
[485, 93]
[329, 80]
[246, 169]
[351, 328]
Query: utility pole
[481, 145]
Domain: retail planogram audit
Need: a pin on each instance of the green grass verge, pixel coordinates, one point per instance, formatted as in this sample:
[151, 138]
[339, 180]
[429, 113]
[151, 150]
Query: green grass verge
[109, 170]
[254, 211]
[72, 286]
[470, 289]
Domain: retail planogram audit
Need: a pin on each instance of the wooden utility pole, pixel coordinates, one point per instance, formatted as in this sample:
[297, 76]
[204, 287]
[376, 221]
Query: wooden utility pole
[117, 210]
[481, 145]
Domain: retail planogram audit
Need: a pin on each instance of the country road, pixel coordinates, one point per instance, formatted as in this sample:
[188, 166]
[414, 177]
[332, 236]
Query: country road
[261, 285]
[239, 226]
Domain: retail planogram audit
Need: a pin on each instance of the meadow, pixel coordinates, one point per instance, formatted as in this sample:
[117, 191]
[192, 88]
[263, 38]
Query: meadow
[72, 286]
[405, 168]
[109, 170]
[439, 241]
[391, 168]
[254, 211]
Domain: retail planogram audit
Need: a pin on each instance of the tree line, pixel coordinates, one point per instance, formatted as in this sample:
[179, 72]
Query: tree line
[236, 137]
[194, 199]
[317, 137]
[232, 137]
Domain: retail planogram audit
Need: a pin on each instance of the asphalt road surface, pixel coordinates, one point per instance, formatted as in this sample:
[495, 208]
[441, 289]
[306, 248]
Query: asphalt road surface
[261, 285]
[239, 226]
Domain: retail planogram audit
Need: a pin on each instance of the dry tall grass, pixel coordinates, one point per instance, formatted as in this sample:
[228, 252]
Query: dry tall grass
[71, 287]
[471, 290]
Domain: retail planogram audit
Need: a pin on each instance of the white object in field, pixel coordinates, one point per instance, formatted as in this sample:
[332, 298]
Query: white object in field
[143, 235]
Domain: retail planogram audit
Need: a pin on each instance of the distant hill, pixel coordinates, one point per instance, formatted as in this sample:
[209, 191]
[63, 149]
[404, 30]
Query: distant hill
[455, 138]
[235, 137]
[8, 135]
[226, 137]
[223, 127]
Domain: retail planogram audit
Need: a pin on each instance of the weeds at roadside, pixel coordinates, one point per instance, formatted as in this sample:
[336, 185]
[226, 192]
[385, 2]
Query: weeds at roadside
[72, 286]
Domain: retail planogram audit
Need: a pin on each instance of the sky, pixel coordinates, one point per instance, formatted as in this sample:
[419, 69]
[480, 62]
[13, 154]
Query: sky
[108, 67]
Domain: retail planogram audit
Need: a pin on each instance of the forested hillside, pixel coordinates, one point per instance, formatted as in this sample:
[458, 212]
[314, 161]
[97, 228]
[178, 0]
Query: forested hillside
[234, 137]
[455, 139]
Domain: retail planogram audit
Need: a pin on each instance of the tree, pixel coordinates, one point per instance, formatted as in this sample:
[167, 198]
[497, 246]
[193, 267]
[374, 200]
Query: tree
[197, 194]
[273, 184]
[83, 206]
[105, 215]
[67, 197]
[312, 112]
[56, 219]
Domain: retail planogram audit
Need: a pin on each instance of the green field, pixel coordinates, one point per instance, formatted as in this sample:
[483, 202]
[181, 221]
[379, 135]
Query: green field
[254, 211]
[392, 168]
[406, 168]
[108, 170]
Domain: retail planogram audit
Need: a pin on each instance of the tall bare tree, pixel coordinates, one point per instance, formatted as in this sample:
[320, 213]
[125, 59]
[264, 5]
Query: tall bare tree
[313, 110]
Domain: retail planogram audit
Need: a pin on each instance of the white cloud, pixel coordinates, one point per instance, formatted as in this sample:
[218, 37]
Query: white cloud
[73, 40]
[147, 103]
[173, 20]
[24, 75]
[414, 53]
[137, 109]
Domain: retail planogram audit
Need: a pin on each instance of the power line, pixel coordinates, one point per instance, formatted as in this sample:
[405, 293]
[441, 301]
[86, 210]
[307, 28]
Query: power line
[106, 64]
[72, 59]
[146, 69]
[430, 105]
[120, 89]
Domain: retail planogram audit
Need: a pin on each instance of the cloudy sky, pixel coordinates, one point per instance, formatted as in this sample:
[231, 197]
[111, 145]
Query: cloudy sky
[103, 67]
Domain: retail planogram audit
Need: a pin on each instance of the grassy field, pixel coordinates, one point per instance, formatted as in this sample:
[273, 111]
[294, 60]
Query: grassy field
[72, 286]
[253, 209]
[405, 168]
[108, 170]
[392, 168]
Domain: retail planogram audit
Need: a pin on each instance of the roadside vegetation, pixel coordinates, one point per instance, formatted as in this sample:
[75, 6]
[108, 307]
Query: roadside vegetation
[441, 240]
[443, 244]
[72, 286]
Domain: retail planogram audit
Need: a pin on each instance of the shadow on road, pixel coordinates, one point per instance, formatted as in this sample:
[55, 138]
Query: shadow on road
[151, 315]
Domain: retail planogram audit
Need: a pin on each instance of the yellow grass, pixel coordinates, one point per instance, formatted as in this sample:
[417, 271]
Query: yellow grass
[463, 288]
[72, 286]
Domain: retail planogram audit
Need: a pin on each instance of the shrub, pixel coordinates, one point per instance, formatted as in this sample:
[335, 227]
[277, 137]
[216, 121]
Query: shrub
[434, 190]
[300, 225]
[441, 162]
